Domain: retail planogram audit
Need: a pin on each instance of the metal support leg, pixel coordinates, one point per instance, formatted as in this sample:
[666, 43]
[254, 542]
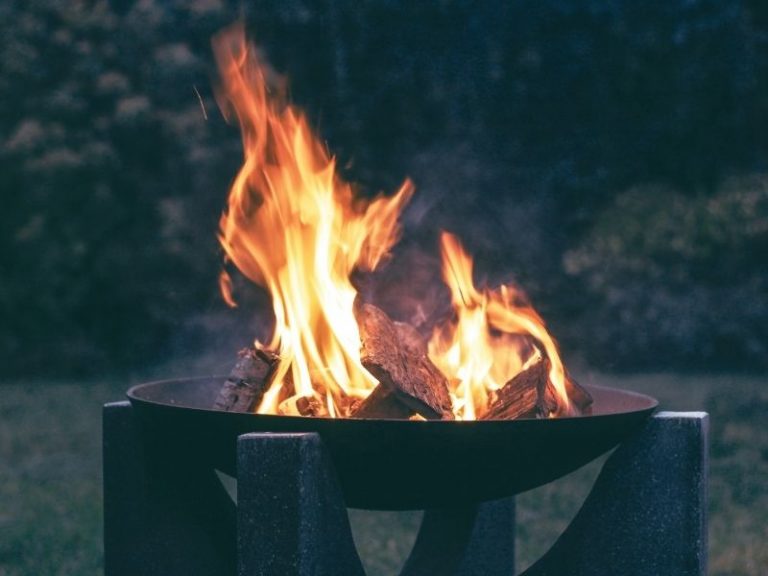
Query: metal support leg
[292, 520]
[474, 541]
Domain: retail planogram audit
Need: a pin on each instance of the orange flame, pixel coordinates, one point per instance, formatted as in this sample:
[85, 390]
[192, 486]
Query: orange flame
[491, 340]
[293, 226]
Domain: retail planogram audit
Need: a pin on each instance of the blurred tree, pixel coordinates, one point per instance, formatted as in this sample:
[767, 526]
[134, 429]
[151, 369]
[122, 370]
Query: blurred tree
[99, 135]
[677, 280]
[518, 121]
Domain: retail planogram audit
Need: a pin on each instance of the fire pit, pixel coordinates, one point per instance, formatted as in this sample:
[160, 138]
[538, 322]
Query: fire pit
[400, 464]
[344, 406]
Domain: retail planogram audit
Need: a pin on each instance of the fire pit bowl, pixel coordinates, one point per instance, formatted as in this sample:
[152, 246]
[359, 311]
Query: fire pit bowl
[398, 464]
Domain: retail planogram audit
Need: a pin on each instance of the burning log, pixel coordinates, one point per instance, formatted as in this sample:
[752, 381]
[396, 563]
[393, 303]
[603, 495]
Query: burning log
[520, 396]
[531, 393]
[581, 400]
[411, 377]
[247, 382]
[579, 396]
[303, 406]
[410, 339]
[382, 403]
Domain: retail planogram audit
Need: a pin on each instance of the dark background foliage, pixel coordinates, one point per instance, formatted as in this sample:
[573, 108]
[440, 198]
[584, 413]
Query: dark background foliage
[607, 156]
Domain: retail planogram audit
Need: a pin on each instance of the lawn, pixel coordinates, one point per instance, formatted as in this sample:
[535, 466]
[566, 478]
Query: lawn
[50, 479]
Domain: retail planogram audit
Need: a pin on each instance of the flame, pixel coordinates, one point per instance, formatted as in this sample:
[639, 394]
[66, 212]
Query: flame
[493, 337]
[294, 227]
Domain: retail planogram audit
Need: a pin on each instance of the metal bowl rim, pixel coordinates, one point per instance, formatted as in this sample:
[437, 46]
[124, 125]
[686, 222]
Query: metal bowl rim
[645, 403]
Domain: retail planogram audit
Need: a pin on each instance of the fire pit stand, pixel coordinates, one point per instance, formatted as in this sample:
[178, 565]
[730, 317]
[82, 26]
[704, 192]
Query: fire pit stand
[646, 513]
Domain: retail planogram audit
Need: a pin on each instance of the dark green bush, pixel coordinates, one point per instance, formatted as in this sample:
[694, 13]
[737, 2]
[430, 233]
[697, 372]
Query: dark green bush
[678, 279]
[515, 120]
[102, 143]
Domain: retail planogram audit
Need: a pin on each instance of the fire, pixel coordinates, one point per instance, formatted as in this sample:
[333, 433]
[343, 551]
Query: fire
[294, 227]
[494, 336]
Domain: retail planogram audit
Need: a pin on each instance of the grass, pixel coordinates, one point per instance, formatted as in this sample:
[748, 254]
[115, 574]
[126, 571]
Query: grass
[50, 480]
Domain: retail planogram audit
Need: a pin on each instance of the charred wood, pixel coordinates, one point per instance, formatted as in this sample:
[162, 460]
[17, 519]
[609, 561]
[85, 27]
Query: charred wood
[410, 339]
[520, 396]
[580, 399]
[579, 395]
[247, 382]
[411, 377]
[382, 403]
[303, 406]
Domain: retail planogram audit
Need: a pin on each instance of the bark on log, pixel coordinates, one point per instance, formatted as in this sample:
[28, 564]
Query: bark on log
[410, 339]
[412, 378]
[303, 406]
[581, 400]
[578, 395]
[520, 396]
[382, 403]
[247, 382]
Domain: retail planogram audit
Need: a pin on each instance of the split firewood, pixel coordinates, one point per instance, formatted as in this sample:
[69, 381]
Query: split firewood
[382, 403]
[520, 396]
[348, 405]
[413, 379]
[247, 382]
[418, 359]
[410, 339]
[579, 395]
[546, 401]
[303, 406]
[581, 400]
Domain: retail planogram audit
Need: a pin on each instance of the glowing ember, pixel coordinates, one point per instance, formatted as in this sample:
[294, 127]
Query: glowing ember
[294, 227]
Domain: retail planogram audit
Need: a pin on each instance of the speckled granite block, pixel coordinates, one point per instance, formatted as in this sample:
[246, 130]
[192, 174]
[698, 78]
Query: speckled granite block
[162, 516]
[292, 520]
[647, 512]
